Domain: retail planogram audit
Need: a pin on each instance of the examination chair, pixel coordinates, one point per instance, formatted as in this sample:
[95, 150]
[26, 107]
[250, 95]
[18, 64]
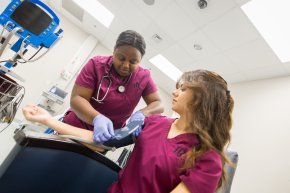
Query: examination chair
[41, 163]
[233, 156]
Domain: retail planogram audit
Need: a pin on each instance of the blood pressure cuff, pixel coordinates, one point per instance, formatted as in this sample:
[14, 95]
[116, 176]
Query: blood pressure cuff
[120, 143]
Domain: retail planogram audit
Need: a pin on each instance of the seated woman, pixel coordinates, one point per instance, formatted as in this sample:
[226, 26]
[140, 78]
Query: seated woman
[174, 155]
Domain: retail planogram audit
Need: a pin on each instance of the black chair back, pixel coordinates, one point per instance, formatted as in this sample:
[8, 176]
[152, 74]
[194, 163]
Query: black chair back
[48, 164]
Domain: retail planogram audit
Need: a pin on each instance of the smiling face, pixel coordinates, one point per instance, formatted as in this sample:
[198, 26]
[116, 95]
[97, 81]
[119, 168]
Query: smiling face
[126, 59]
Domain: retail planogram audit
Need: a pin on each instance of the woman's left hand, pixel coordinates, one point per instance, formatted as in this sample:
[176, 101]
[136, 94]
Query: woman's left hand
[137, 116]
[36, 114]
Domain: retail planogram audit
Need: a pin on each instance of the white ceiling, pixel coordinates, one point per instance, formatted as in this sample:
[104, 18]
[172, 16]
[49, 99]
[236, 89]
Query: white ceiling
[231, 45]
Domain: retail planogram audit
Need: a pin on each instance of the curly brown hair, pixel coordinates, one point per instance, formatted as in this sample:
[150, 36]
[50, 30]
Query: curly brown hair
[210, 115]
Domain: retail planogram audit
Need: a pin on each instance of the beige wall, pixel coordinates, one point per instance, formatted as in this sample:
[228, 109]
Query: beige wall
[261, 136]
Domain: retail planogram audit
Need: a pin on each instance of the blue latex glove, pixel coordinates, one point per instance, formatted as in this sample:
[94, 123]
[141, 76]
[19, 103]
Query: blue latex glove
[103, 129]
[138, 115]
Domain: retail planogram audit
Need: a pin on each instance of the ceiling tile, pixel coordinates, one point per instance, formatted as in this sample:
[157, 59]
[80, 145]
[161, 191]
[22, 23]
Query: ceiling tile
[173, 20]
[162, 80]
[234, 78]
[219, 64]
[177, 56]
[150, 52]
[109, 40]
[208, 48]
[254, 55]
[241, 2]
[194, 65]
[114, 6]
[134, 18]
[93, 26]
[118, 26]
[153, 29]
[154, 10]
[214, 10]
[265, 72]
[231, 30]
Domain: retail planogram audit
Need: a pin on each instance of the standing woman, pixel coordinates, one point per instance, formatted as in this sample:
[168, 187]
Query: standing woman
[109, 88]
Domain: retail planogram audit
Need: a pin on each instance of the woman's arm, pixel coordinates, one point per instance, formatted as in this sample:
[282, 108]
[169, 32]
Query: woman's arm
[153, 102]
[80, 104]
[37, 114]
[180, 188]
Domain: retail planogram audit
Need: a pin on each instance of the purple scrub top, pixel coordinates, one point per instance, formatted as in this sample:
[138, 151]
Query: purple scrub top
[154, 165]
[116, 106]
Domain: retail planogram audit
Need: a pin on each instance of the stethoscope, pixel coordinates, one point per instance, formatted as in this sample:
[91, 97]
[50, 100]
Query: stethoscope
[121, 88]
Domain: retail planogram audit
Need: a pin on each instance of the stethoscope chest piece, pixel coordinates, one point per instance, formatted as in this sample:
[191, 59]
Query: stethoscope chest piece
[121, 88]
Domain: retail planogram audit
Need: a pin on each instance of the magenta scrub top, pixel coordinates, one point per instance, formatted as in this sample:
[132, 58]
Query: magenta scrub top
[116, 106]
[155, 161]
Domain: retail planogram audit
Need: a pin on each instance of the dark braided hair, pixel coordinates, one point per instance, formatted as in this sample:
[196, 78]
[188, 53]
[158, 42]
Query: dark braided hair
[131, 38]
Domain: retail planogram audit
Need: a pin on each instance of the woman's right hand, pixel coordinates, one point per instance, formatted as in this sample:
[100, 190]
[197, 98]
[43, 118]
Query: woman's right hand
[36, 114]
[103, 129]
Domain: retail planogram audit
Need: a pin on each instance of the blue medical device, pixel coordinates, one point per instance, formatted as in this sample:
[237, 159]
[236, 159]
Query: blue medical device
[35, 27]
[33, 21]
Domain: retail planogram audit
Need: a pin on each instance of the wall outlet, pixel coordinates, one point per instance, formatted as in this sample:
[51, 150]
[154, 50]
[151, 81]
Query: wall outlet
[66, 75]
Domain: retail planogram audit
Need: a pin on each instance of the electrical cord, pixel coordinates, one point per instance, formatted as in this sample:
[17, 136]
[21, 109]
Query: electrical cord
[9, 37]
[29, 60]
[4, 61]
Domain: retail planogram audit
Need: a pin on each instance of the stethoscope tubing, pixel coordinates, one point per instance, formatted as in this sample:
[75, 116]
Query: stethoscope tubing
[107, 76]
[99, 88]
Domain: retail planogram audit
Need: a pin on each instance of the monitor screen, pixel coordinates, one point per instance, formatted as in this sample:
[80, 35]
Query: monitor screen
[58, 92]
[31, 17]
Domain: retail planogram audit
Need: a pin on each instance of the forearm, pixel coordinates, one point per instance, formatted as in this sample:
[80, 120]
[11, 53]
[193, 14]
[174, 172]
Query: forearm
[66, 129]
[153, 108]
[83, 109]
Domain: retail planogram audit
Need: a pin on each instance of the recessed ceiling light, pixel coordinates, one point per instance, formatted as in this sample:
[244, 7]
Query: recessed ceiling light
[166, 67]
[157, 38]
[149, 2]
[97, 10]
[202, 4]
[197, 46]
